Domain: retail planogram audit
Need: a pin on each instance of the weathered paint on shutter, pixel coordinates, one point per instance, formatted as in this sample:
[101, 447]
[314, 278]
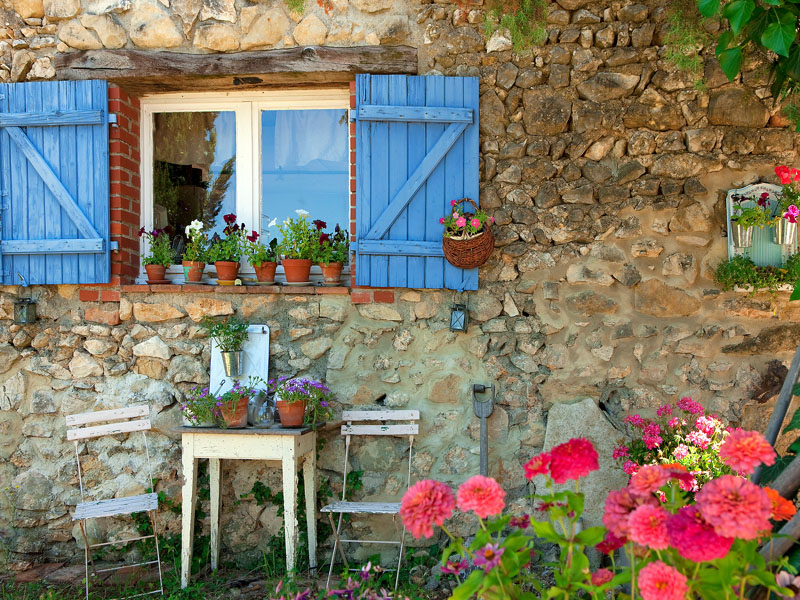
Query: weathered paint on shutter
[54, 182]
[416, 149]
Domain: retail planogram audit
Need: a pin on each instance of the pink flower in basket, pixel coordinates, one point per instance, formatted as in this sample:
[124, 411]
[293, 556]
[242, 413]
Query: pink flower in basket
[475, 223]
[441, 220]
[461, 222]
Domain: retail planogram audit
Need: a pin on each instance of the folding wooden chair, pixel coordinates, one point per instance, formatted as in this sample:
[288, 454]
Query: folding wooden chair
[125, 420]
[379, 426]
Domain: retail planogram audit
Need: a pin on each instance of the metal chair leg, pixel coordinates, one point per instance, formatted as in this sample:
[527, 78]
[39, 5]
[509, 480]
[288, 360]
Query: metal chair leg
[400, 558]
[336, 542]
[152, 514]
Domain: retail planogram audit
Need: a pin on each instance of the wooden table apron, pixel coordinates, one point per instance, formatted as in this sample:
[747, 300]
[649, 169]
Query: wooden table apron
[289, 446]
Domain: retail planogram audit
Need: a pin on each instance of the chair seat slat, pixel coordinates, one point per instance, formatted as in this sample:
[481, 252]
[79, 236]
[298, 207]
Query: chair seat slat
[108, 429]
[114, 414]
[366, 508]
[115, 506]
[380, 415]
[410, 429]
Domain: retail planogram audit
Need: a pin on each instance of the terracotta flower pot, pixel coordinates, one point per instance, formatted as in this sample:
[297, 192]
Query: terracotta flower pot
[156, 272]
[331, 273]
[227, 270]
[266, 271]
[235, 418]
[193, 270]
[291, 414]
[296, 269]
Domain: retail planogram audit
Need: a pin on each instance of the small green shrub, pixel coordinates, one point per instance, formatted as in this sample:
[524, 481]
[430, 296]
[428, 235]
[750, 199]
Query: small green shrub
[741, 271]
[685, 38]
[524, 19]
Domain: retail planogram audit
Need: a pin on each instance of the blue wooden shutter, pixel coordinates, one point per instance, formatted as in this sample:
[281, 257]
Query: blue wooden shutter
[416, 149]
[54, 182]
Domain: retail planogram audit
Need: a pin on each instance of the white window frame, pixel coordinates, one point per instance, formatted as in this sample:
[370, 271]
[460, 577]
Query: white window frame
[247, 107]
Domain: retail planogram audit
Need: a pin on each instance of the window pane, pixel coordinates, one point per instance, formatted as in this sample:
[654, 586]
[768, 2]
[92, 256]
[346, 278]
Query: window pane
[194, 165]
[304, 165]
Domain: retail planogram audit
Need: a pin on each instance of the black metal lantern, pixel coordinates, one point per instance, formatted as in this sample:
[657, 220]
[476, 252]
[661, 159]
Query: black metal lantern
[25, 311]
[459, 318]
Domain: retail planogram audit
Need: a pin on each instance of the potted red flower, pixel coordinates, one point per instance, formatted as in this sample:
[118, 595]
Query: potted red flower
[263, 258]
[226, 252]
[333, 251]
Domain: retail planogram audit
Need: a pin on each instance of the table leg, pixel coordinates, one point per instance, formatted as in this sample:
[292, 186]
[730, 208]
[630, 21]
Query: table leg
[310, 481]
[289, 463]
[187, 511]
[215, 474]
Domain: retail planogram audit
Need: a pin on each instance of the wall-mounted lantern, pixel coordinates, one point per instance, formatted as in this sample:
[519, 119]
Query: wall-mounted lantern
[459, 317]
[24, 308]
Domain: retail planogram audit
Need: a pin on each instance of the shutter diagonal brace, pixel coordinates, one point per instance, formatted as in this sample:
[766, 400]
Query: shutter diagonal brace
[60, 193]
[415, 180]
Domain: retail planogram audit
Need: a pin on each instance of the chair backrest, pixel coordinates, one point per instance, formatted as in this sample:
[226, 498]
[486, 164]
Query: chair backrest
[378, 422]
[115, 421]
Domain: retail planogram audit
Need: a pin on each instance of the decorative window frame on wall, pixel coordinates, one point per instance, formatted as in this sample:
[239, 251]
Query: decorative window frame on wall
[247, 106]
[763, 252]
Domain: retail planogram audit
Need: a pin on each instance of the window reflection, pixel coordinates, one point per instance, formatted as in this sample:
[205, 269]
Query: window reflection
[304, 165]
[194, 165]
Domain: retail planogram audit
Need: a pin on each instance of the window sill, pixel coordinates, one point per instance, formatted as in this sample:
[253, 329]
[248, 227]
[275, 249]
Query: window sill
[234, 289]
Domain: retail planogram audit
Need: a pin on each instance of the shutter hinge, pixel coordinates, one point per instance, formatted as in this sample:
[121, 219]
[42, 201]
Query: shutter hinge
[114, 246]
[353, 114]
[112, 119]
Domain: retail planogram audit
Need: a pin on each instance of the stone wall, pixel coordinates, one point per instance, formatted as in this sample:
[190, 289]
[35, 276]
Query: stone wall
[605, 169]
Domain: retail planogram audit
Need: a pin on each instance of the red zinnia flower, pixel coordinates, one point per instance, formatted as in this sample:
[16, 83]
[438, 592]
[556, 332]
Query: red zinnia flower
[693, 538]
[619, 505]
[610, 543]
[648, 479]
[744, 450]
[483, 495]
[601, 576]
[426, 503]
[735, 507]
[538, 465]
[782, 509]
[573, 460]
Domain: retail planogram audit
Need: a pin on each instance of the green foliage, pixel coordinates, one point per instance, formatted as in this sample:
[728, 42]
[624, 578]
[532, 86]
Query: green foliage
[160, 247]
[524, 19]
[685, 38]
[332, 247]
[299, 239]
[258, 254]
[741, 271]
[767, 25]
[230, 334]
[196, 243]
[297, 6]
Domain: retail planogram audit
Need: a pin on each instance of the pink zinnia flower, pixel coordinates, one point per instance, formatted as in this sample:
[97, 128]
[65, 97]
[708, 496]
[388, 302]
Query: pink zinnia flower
[620, 452]
[452, 567]
[483, 495]
[735, 507]
[648, 526]
[744, 450]
[573, 460]
[476, 223]
[538, 465]
[648, 480]
[686, 404]
[699, 439]
[426, 503]
[461, 221]
[681, 451]
[658, 581]
[610, 543]
[601, 576]
[488, 557]
[630, 467]
[693, 538]
[619, 505]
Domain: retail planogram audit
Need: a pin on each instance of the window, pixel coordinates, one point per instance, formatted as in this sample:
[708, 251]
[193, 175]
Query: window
[259, 155]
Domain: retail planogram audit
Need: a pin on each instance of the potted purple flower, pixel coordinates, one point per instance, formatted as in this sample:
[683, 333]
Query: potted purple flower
[301, 401]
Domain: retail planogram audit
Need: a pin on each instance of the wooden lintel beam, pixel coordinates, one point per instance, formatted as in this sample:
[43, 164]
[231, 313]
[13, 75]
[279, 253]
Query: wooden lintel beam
[174, 70]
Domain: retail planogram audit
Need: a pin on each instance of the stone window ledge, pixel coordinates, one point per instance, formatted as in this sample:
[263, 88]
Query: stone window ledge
[174, 288]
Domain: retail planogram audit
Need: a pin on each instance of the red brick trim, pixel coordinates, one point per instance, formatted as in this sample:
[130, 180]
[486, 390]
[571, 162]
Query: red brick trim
[124, 161]
[352, 183]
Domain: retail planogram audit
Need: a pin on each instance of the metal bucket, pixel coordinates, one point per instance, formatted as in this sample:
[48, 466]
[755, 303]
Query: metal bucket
[232, 361]
[742, 236]
[784, 232]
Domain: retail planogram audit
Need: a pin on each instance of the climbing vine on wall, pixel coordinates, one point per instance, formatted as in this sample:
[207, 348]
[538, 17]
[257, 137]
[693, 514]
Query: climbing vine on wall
[765, 25]
[524, 19]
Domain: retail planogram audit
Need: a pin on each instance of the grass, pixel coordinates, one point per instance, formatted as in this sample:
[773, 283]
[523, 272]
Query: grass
[524, 19]
[685, 38]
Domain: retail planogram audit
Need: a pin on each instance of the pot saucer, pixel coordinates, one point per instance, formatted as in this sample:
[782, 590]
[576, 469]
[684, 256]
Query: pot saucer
[158, 281]
[297, 283]
[229, 282]
[260, 282]
[332, 283]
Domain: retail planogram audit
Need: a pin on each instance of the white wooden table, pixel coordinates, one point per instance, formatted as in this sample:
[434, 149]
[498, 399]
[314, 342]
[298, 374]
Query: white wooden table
[290, 446]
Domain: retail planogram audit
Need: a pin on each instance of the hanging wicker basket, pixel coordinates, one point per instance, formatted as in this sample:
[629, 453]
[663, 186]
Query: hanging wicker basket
[471, 253]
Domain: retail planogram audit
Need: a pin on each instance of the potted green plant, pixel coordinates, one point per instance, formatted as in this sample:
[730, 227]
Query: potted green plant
[199, 408]
[159, 255]
[229, 335]
[233, 405]
[298, 246]
[263, 258]
[745, 218]
[333, 251]
[194, 257]
[301, 401]
[226, 252]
